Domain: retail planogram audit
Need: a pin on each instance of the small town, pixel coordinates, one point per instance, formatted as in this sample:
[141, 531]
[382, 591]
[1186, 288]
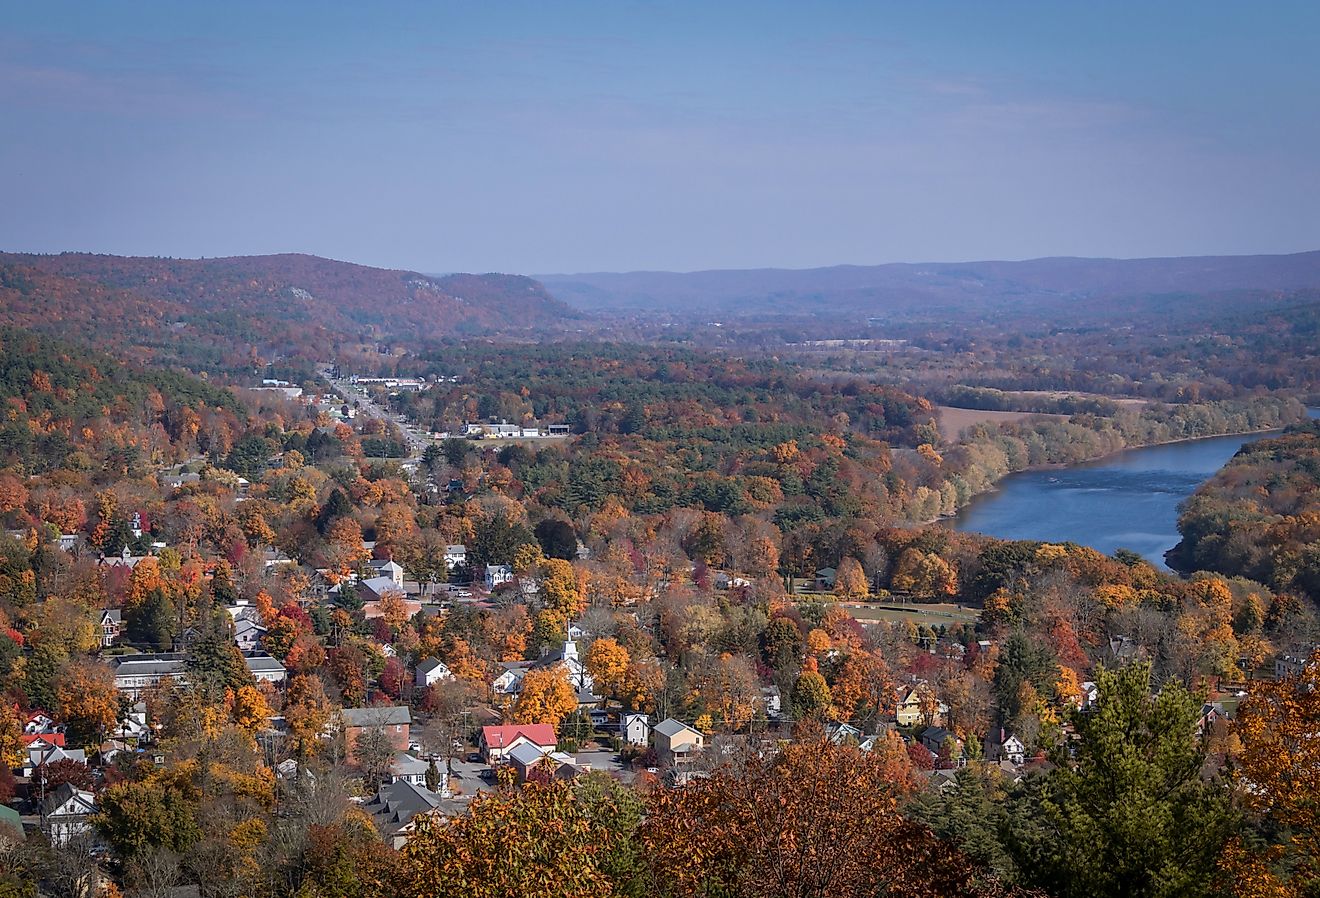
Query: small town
[685, 450]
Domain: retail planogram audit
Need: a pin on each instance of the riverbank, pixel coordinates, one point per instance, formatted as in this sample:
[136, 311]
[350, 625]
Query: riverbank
[1039, 443]
[1128, 500]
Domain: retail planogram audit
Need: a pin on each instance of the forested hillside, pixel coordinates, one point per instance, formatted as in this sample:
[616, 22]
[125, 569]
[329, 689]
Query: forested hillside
[225, 314]
[1259, 517]
[65, 407]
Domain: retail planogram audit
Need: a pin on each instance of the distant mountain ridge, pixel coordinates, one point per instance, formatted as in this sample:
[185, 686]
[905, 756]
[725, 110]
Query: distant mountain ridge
[259, 306]
[904, 286]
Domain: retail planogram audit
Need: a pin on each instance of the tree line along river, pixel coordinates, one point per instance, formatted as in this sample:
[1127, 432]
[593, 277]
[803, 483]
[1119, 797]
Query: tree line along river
[1125, 501]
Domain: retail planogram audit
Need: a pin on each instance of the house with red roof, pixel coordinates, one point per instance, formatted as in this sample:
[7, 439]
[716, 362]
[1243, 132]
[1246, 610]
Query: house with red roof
[498, 741]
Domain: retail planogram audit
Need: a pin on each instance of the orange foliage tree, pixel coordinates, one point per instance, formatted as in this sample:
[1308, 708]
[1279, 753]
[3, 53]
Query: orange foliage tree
[546, 697]
[786, 825]
[607, 662]
[1279, 768]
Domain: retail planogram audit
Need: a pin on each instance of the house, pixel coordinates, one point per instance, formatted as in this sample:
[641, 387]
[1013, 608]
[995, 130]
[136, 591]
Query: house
[575, 669]
[135, 673]
[635, 729]
[373, 589]
[455, 555]
[842, 733]
[409, 769]
[1123, 650]
[272, 557]
[880, 739]
[497, 741]
[509, 681]
[388, 569]
[942, 779]
[1291, 664]
[123, 559]
[910, 710]
[373, 610]
[430, 672]
[498, 575]
[396, 806]
[1009, 748]
[265, 668]
[41, 753]
[395, 722]
[825, 579]
[175, 481]
[40, 722]
[725, 580]
[677, 743]
[526, 759]
[248, 633]
[1090, 695]
[773, 701]
[66, 813]
[1213, 713]
[944, 745]
[111, 625]
[243, 610]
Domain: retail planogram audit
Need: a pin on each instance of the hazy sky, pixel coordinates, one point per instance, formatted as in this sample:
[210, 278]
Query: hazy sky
[560, 136]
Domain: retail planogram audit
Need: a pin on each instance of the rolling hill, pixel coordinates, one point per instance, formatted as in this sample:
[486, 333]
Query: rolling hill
[229, 312]
[916, 290]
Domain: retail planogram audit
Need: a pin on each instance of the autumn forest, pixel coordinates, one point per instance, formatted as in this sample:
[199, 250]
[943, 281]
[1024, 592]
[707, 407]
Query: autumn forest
[323, 580]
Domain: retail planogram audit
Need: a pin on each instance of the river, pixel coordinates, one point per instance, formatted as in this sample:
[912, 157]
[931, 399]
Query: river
[1126, 501]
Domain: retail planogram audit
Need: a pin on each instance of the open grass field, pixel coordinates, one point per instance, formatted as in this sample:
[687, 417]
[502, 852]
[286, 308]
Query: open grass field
[954, 420]
[934, 613]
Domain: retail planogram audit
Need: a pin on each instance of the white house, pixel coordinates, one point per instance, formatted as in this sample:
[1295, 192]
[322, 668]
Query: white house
[408, 769]
[65, 814]
[43, 752]
[430, 672]
[455, 555]
[248, 633]
[509, 680]
[635, 729]
[575, 669]
[498, 575]
[391, 569]
[1013, 751]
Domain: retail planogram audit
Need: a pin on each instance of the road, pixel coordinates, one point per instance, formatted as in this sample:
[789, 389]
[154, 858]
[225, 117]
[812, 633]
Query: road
[415, 440]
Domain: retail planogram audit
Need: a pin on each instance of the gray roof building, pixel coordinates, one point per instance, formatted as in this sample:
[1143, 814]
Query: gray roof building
[377, 717]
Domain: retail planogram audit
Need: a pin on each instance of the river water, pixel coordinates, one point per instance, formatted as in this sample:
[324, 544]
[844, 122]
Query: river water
[1126, 501]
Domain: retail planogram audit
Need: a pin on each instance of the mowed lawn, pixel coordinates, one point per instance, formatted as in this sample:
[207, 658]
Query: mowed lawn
[934, 613]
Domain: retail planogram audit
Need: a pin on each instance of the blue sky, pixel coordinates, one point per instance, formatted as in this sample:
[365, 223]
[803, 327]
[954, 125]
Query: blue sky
[555, 137]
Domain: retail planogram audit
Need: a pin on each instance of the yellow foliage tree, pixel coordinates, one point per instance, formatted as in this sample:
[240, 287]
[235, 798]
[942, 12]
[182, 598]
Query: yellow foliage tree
[11, 735]
[249, 709]
[86, 699]
[850, 579]
[527, 558]
[546, 697]
[560, 588]
[607, 662]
